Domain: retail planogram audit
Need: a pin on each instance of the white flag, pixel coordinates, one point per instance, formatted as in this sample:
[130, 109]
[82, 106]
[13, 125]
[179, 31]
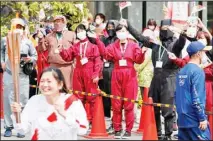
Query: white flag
[80, 7]
[124, 4]
[197, 8]
[41, 14]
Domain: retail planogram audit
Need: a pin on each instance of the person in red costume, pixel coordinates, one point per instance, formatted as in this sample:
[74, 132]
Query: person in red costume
[123, 53]
[88, 65]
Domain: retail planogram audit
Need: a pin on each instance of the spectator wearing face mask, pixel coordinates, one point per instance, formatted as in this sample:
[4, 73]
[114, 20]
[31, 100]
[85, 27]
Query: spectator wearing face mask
[60, 37]
[48, 24]
[105, 83]
[28, 56]
[42, 62]
[163, 83]
[88, 66]
[100, 24]
[152, 26]
[123, 53]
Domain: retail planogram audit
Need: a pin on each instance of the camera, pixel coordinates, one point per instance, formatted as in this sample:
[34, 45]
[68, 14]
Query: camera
[22, 62]
[27, 67]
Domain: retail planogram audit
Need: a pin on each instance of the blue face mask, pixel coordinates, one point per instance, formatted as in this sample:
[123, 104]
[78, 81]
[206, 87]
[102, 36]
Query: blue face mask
[50, 27]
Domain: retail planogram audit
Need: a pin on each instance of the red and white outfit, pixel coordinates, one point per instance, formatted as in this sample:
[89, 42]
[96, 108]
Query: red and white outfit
[44, 123]
[88, 66]
[124, 79]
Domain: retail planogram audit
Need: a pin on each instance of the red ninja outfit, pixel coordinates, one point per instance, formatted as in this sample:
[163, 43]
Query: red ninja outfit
[124, 79]
[88, 66]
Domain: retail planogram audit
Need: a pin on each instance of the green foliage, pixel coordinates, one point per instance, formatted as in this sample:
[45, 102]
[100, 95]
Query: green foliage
[30, 12]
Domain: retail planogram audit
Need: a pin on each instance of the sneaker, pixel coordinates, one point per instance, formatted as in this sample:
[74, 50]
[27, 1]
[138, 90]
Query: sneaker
[8, 133]
[110, 129]
[19, 135]
[167, 138]
[175, 136]
[160, 137]
[117, 134]
[126, 135]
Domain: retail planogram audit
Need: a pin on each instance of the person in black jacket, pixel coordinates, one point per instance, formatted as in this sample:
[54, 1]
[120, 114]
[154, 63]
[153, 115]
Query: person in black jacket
[163, 83]
[107, 72]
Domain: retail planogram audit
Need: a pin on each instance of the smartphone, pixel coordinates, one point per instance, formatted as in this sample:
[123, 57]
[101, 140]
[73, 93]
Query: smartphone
[23, 55]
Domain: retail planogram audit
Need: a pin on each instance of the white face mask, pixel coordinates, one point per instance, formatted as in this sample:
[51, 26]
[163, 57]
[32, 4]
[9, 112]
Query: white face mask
[121, 35]
[203, 41]
[204, 59]
[191, 32]
[98, 21]
[152, 27]
[20, 31]
[82, 35]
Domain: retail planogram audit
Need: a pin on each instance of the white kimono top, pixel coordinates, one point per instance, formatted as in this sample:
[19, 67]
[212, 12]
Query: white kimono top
[44, 123]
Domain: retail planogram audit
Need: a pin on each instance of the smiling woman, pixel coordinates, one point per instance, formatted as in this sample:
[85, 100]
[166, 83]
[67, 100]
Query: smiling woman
[52, 114]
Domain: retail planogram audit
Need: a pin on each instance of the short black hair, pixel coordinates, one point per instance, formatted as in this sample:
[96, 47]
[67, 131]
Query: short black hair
[151, 22]
[110, 22]
[119, 27]
[102, 16]
[80, 26]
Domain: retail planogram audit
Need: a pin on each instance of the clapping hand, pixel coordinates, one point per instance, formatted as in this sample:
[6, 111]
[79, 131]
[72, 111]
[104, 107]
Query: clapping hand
[92, 34]
[172, 56]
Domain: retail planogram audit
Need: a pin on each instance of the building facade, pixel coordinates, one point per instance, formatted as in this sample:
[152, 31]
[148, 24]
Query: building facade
[140, 12]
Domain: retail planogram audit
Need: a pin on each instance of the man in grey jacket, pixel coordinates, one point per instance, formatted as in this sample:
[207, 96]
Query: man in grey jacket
[30, 54]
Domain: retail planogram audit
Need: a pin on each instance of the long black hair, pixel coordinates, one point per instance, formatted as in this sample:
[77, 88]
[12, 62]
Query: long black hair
[58, 75]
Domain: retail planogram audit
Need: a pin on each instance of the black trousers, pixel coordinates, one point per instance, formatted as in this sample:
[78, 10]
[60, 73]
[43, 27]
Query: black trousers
[162, 91]
[33, 82]
[105, 85]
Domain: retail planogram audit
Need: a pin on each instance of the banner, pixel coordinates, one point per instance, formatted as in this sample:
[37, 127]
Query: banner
[179, 11]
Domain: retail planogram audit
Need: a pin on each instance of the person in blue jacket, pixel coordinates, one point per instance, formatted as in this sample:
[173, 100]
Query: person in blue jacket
[190, 96]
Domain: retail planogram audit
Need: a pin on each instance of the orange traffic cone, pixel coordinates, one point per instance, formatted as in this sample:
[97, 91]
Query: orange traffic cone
[142, 118]
[87, 109]
[1, 95]
[98, 130]
[150, 130]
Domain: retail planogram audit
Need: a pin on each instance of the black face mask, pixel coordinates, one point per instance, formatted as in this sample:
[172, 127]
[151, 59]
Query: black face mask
[165, 34]
[111, 32]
